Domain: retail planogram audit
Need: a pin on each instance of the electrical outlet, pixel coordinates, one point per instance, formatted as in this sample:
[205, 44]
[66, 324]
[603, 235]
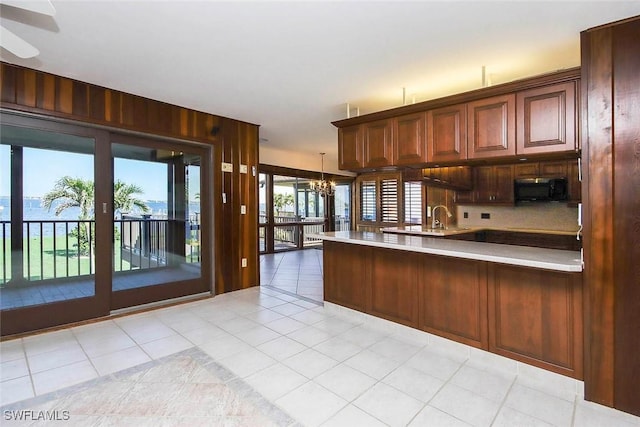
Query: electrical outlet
[465, 214]
[485, 215]
[243, 210]
[243, 168]
[244, 262]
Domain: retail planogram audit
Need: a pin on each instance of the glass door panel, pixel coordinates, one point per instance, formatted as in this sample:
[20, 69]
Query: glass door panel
[342, 200]
[47, 217]
[157, 236]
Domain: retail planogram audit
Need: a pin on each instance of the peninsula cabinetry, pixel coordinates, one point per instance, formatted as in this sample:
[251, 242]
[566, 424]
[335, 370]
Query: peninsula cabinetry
[547, 119]
[528, 314]
[491, 127]
[536, 316]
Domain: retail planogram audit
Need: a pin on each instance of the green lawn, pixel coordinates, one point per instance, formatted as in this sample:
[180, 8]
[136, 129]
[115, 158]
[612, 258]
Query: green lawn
[43, 262]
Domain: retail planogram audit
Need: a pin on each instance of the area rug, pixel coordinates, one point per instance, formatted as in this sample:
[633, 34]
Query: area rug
[184, 389]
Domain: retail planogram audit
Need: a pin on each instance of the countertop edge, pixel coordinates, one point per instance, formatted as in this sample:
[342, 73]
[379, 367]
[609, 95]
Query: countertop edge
[575, 266]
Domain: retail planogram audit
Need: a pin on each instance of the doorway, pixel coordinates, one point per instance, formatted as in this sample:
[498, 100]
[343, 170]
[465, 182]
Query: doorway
[92, 221]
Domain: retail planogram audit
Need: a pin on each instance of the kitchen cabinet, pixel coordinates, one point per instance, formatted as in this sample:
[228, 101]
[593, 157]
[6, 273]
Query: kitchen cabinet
[494, 185]
[535, 316]
[350, 149]
[390, 298]
[452, 177]
[540, 240]
[345, 275]
[409, 139]
[491, 127]
[377, 144]
[551, 169]
[546, 119]
[447, 133]
[453, 299]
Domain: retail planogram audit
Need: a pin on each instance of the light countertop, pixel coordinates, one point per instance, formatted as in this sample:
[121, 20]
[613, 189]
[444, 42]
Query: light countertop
[428, 231]
[525, 256]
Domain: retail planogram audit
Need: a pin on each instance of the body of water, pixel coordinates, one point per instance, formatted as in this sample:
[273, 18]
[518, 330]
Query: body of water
[33, 211]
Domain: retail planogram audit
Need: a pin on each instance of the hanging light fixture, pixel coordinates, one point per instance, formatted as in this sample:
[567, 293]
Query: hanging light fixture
[322, 187]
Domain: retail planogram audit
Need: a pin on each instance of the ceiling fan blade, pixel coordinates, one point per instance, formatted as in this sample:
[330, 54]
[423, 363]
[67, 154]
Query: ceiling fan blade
[16, 45]
[39, 6]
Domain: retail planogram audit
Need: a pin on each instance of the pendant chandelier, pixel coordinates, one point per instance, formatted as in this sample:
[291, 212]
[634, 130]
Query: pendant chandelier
[322, 187]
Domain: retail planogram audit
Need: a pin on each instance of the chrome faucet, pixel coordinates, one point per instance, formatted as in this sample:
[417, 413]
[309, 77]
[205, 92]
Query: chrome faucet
[434, 221]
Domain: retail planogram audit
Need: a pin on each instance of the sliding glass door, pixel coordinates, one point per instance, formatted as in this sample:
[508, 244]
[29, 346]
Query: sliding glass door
[92, 221]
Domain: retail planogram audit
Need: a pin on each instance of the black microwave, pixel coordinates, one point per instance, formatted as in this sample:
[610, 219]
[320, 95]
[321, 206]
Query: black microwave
[540, 189]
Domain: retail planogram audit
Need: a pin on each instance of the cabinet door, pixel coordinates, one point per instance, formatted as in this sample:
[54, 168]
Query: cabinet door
[345, 274]
[503, 184]
[350, 148]
[409, 140]
[491, 127]
[447, 133]
[453, 299]
[378, 148]
[484, 184]
[547, 119]
[394, 286]
[526, 170]
[553, 169]
[535, 316]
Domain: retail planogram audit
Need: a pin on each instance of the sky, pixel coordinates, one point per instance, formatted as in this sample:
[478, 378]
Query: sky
[43, 167]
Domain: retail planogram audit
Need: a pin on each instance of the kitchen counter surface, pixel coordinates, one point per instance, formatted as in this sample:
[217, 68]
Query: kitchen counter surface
[549, 259]
[421, 230]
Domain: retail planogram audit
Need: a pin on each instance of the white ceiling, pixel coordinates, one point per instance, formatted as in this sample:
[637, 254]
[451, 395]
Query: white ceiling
[292, 67]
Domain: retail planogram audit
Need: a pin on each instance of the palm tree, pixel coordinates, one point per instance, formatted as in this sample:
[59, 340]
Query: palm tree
[72, 192]
[124, 199]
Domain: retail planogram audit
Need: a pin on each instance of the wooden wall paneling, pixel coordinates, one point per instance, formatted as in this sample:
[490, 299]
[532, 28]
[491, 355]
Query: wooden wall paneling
[453, 299]
[46, 98]
[346, 274]
[535, 316]
[97, 103]
[626, 206]
[249, 197]
[80, 101]
[598, 216]
[8, 88]
[26, 88]
[393, 292]
[64, 96]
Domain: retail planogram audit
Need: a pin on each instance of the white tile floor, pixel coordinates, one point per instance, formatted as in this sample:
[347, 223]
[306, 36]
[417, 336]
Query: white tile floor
[323, 365]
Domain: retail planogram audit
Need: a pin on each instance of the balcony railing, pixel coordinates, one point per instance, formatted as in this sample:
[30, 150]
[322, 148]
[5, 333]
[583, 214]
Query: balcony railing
[53, 249]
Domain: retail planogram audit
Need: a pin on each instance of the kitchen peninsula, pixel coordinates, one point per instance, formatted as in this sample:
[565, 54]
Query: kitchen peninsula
[520, 302]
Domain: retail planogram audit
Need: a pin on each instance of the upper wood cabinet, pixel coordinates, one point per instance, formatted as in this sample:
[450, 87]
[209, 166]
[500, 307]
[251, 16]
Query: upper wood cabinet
[447, 133]
[492, 127]
[546, 119]
[377, 144]
[494, 185]
[350, 152]
[409, 141]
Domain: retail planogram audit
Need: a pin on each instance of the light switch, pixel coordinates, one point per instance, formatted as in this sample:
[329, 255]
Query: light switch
[244, 262]
[224, 197]
[243, 209]
[243, 168]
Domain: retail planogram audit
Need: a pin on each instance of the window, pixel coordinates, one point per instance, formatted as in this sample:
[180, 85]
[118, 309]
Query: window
[389, 200]
[368, 201]
[413, 202]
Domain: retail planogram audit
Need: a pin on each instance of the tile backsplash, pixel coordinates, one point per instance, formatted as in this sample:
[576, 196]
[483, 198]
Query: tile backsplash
[542, 216]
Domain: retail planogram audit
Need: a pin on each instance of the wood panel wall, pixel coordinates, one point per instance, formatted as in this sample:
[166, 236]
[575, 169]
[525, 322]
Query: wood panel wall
[235, 234]
[611, 197]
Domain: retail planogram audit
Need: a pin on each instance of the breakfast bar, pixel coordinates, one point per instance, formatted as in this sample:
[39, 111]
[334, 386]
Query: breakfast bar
[520, 302]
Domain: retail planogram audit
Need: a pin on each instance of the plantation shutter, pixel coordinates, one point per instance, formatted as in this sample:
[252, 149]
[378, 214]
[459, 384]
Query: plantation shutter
[389, 200]
[368, 201]
[413, 202]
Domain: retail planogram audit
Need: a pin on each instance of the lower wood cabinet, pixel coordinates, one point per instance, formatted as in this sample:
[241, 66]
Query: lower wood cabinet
[346, 274]
[394, 286]
[527, 314]
[535, 316]
[453, 299]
